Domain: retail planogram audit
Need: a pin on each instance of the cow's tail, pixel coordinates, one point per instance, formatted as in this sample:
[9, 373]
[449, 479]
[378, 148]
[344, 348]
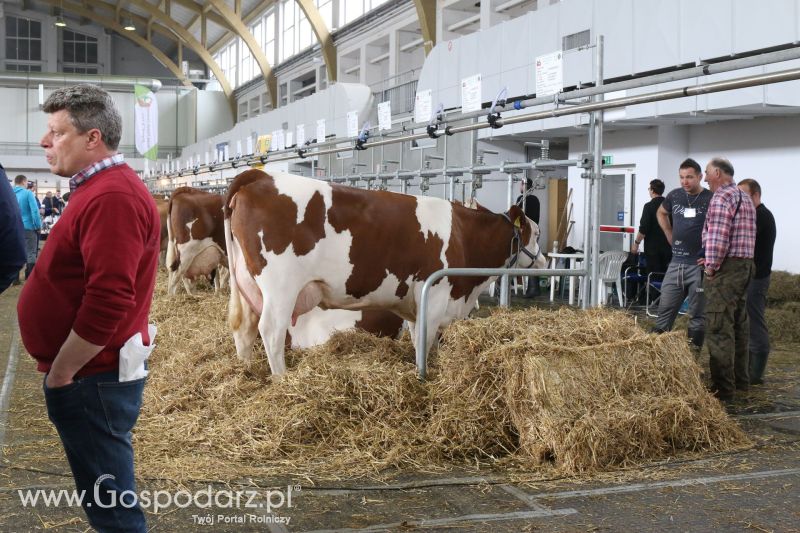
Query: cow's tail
[235, 304]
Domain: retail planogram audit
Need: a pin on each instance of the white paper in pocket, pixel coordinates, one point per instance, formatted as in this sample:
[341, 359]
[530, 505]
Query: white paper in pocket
[133, 354]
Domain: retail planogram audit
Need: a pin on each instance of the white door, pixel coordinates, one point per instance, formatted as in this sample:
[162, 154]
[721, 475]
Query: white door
[616, 207]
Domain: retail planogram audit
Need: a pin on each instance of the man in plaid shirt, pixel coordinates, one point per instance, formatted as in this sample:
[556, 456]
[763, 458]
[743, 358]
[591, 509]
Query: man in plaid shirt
[729, 238]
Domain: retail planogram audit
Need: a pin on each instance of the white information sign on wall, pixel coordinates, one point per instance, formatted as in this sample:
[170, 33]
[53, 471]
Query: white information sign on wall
[385, 115]
[280, 141]
[352, 123]
[321, 130]
[289, 138]
[549, 74]
[250, 145]
[471, 94]
[301, 134]
[238, 148]
[422, 106]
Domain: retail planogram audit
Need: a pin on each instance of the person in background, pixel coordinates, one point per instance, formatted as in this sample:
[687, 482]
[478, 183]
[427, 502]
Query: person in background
[51, 205]
[31, 220]
[12, 237]
[32, 187]
[684, 277]
[657, 250]
[88, 297]
[532, 209]
[758, 288]
[729, 239]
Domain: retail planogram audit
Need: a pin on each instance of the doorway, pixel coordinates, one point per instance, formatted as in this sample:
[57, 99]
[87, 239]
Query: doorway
[617, 191]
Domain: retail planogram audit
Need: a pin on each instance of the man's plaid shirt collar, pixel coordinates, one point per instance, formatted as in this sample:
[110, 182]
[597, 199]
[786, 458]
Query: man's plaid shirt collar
[82, 176]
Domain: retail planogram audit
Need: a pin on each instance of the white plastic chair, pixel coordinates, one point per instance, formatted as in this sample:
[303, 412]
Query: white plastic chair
[609, 269]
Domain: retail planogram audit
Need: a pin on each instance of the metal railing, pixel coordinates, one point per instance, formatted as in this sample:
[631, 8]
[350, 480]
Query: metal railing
[422, 310]
[401, 96]
[33, 148]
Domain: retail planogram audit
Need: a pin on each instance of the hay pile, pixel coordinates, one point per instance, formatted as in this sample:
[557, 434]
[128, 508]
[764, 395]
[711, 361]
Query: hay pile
[783, 307]
[570, 391]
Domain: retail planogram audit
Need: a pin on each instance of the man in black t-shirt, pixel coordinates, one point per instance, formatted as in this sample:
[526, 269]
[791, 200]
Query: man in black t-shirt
[759, 286]
[657, 250]
[688, 205]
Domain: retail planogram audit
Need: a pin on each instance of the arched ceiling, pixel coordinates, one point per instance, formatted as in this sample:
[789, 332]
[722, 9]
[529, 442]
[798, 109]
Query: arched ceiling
[166, 27]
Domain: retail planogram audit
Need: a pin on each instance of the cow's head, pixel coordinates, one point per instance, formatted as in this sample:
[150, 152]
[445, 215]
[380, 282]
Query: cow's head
[530, 255]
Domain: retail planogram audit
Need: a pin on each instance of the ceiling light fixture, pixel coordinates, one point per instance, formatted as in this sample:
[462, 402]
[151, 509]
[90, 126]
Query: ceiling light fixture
[127, 24]
[60, 22]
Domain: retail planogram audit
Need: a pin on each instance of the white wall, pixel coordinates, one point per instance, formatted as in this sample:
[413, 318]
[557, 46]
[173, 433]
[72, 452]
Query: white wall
[130, 59]
[630, 148]
[766, 150]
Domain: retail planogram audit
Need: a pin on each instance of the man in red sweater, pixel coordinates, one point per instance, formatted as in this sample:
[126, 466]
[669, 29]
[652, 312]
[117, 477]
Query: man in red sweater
[88, 295]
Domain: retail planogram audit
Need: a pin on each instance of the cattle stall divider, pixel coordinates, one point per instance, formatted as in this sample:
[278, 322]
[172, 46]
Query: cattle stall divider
[422, 309]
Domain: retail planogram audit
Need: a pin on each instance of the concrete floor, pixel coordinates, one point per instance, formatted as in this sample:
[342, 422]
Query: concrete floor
[756, 489]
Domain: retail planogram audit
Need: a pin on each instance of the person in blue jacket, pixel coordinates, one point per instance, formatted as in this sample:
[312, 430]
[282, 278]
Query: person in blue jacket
[31, 220]
[12, 239]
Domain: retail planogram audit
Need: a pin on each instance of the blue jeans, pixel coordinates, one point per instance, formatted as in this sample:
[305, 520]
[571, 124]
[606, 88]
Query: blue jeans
[94, 417]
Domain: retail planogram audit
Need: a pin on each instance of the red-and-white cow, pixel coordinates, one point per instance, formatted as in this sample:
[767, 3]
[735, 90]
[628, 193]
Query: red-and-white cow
[196, 232]
[305, 242]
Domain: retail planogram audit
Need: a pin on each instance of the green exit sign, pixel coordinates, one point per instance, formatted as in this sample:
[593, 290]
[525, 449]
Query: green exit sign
[608, 160]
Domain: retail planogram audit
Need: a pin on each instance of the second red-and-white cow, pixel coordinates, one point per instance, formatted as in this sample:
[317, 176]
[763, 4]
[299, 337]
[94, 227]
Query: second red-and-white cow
[196, 235]
[305, 242]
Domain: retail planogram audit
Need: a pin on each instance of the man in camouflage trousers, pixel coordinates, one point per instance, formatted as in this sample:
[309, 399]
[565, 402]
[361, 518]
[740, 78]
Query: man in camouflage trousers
[729, 241]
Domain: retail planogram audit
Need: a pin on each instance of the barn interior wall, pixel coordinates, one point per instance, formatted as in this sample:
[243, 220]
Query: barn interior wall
[764, 149]
[20, 144]
[130, 59]
[632, 148]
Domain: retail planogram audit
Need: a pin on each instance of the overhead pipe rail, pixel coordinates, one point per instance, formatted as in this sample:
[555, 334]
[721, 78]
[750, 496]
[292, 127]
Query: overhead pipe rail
[305, 151]
[709, 88]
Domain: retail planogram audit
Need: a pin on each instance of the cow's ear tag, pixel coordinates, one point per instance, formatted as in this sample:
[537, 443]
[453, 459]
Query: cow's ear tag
[518, 222]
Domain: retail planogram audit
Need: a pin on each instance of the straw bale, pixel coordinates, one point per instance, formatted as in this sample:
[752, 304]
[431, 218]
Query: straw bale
[783, 287]
[581, 391]
[567, 390]
[782, 321]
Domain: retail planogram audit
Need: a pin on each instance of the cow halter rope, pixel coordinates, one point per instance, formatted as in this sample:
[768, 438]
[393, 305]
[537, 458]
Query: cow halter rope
[516, 244]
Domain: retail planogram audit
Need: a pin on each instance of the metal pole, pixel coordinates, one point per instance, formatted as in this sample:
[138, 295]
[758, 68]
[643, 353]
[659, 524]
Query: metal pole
[597, 177]
[444, 174]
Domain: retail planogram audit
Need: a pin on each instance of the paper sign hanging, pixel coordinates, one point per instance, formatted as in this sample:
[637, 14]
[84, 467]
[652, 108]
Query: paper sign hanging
[321, 130]
[352, 124]
[422, 106]
[385, 115]
[471, 94]
[549, 74]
